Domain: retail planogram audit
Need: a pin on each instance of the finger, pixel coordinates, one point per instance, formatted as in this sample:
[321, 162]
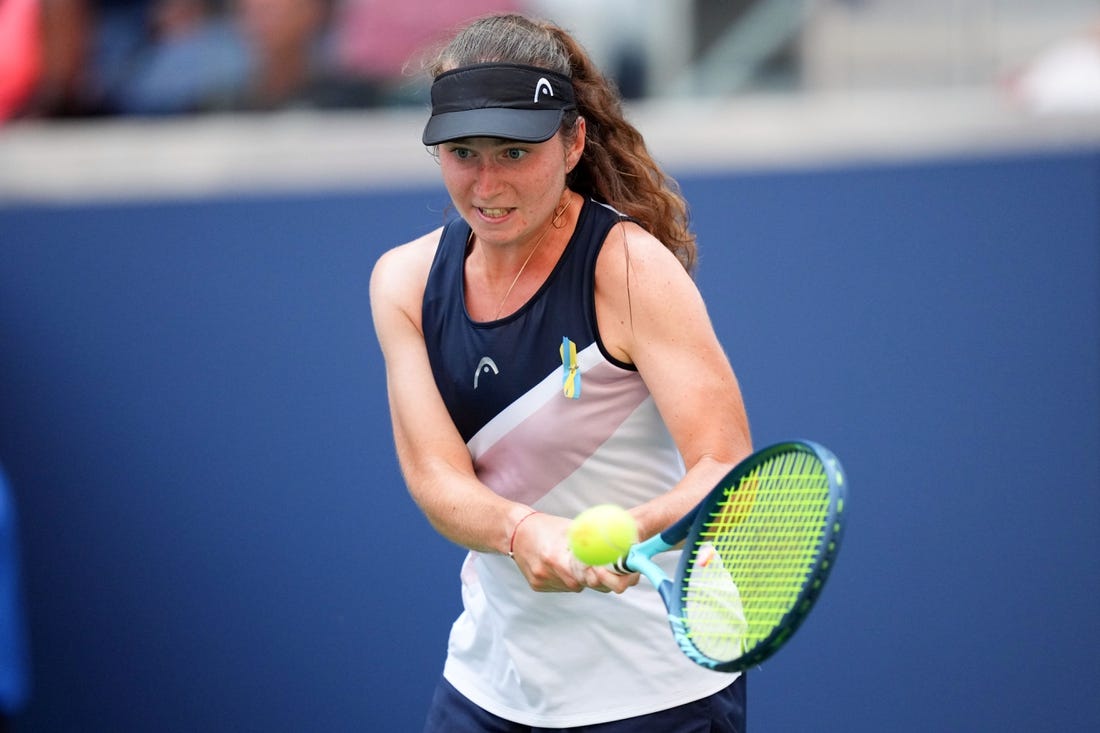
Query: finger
[615, 582]
[593, 580]
[578, 569]
[550, 577]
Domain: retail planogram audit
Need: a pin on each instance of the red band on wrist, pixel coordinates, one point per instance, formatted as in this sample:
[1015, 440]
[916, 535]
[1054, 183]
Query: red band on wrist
[512, 541]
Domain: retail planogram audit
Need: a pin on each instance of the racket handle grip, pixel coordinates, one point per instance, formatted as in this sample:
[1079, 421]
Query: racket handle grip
[640, 560]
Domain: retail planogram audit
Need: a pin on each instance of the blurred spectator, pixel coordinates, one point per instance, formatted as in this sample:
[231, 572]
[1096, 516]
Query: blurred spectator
[378, 39]
[63, 46]
[153, 57]
[20, 62]
[193, 52]
[119, 34]
[99, 57]
[82, 48]
[291, 60]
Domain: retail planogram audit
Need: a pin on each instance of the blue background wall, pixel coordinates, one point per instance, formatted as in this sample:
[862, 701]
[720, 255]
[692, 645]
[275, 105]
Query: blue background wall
[193, 418]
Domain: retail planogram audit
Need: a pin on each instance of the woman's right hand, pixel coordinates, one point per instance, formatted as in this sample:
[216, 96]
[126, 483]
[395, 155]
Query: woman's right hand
[541, 551]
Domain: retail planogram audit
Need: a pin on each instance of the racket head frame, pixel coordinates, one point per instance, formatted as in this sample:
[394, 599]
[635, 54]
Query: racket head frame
[692, 527]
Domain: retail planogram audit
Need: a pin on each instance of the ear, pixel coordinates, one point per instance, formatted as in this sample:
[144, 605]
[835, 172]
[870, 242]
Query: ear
[575, 149]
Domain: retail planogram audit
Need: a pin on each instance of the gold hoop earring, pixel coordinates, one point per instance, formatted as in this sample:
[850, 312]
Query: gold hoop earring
[556, 222]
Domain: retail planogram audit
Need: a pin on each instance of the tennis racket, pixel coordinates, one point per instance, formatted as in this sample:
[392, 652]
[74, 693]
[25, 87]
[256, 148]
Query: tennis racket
[759, 549]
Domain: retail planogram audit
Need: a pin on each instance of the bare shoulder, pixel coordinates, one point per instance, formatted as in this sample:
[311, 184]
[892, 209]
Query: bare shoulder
[400, 273]
[408, 258]
[641, 289]
[636, 265]
[630, 249]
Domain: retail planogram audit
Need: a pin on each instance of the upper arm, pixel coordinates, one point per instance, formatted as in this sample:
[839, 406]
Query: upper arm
[652, 315]
[435, 461]
[424, 433]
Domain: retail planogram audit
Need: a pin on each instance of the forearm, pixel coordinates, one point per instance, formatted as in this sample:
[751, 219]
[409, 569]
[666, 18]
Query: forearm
[659, 513]
[464, 510]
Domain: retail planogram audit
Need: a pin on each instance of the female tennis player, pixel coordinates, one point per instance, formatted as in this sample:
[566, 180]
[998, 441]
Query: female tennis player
[548, 350]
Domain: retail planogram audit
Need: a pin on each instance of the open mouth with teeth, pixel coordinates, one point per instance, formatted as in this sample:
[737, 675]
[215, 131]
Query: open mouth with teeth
[494, 213]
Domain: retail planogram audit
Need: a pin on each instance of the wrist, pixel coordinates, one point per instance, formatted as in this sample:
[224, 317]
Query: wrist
[515, 530]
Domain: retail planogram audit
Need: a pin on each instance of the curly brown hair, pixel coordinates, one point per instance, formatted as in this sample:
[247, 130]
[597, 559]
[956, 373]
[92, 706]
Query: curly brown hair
[616, 168]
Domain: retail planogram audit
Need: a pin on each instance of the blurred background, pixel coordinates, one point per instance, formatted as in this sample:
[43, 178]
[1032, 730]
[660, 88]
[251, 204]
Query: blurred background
[202, 523]
[91, 58]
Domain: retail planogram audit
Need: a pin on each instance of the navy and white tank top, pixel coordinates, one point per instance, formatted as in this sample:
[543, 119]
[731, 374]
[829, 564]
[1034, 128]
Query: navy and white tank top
[482, 367]
[552, 421]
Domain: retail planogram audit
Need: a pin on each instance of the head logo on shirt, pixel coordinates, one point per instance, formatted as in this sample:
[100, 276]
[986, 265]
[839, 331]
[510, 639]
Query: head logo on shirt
[484, 366]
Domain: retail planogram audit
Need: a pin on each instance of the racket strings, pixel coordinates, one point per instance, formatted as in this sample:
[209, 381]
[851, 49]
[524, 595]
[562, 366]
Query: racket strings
[755, 555]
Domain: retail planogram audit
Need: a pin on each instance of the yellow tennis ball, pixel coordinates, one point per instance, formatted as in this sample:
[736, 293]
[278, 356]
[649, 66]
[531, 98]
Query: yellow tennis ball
[602, 534]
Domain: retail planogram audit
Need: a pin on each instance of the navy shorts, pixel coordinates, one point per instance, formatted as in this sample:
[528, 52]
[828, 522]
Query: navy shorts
[723, 712]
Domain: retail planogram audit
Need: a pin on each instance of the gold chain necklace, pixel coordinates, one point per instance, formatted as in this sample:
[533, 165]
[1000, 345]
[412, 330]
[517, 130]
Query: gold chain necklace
[555, 224]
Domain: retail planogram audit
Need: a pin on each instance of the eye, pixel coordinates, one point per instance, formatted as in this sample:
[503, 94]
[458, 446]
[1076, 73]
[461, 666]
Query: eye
[459, 152]
[515, 153]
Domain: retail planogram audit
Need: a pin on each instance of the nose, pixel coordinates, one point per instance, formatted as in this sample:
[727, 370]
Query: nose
[487, 180]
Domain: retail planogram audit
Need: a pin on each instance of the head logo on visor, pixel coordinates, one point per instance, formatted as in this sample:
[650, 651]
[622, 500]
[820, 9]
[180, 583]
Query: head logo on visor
[543, 87]
[508, 101]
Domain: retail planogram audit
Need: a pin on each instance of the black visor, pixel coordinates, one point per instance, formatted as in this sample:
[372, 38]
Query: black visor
[508, 101]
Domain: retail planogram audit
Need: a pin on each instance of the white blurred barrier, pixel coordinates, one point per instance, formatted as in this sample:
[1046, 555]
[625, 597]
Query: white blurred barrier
[186, 157]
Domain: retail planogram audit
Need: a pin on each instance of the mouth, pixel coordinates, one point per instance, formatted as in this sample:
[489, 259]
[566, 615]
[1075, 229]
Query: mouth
[493, 213]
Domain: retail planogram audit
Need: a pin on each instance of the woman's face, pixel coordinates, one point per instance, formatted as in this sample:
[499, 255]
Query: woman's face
[506, 190]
